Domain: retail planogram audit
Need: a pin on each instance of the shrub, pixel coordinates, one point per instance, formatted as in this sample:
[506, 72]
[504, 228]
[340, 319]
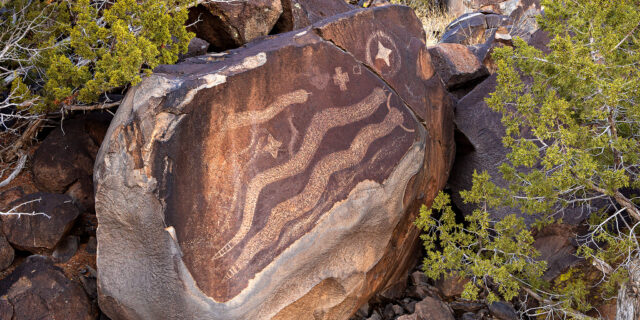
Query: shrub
[579, 108]
[63, 55]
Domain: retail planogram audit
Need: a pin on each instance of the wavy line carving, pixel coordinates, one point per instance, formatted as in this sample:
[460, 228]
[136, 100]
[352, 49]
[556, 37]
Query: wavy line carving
[306, 200]
[320, 124]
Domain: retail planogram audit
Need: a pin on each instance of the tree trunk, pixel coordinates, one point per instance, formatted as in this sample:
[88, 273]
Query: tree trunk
[629, 294]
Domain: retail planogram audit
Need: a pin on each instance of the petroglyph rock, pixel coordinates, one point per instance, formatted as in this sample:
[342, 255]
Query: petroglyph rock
[279, 180]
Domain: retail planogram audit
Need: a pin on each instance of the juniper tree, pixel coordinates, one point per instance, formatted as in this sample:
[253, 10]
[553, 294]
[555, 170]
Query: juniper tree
[572, 122]
[66, 55]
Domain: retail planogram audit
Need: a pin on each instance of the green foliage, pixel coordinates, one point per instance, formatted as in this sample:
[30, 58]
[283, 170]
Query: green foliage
[500, 252]
[572, 124]
[78, 50]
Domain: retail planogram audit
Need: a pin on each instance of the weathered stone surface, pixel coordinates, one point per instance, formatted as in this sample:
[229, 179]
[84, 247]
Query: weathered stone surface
[473, 28]
[515, 8]
[65, 249]
[197, 47]
[37, 232]
[230, 24]
[6, 253]
[433, 309]
[63, 163]
[503, 311]
[554, 242]
[278, 180]
[451, 286]
[298, 14]
[484, 51]
[456, 65]
[38, 290]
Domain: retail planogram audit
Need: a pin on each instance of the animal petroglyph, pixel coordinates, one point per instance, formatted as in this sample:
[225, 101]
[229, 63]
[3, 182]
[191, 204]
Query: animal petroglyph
[243, 119]
[380, 46]
[305, 201]
[320, 124]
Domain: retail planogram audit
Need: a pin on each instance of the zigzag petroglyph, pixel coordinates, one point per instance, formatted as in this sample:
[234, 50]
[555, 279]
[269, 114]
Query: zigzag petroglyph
[320, 124]
[305, 201]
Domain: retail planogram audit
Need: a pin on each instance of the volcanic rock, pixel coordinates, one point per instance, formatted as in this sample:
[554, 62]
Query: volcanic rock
[6, 253]
[457, 65]
[44, 220]
[278, 180]
[63, 163]
[38, 290]
[230, 24]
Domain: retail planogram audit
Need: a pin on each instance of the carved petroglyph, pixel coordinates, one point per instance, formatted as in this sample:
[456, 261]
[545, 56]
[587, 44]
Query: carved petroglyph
[383, 53]
[247, 118]
[357, 69]
[381, 47]
[340, 79]
[320, 124]
[305, 201]
[272, 146]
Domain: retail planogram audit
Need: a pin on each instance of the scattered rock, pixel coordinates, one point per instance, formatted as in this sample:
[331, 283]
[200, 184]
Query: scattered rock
[503, 310]
[64, 160]
[410, 306]
[394, 292]
[65, 249]
[388, 312]
[397, 310]
[364, 311]
[37, 232]
[92, 245]
[298, 14]
[9, 196]
[419, 278]
[433, 309]
[6, 253]
[469, 316]
[407, 317]
[451, 286]
[555, 246]
[375, 316]
[320, 141]
[197, 47]
[38, 290]
[473, 28]
[466, 306]
[457, 66]
[230, 24]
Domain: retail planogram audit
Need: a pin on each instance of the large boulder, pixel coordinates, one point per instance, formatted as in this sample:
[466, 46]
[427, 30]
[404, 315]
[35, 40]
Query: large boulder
[280, 180]
[39, 290]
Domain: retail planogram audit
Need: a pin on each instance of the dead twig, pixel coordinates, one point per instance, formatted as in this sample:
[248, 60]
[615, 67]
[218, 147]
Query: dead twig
[99, 106]
[16, 171]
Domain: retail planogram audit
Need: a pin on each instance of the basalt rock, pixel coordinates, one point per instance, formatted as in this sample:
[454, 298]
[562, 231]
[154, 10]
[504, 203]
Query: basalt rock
[298, 14]
[38, 290]
[279, 180]
[46, 219]
[457, 66]
[230, 24]
[515, 8]
[63, 163]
